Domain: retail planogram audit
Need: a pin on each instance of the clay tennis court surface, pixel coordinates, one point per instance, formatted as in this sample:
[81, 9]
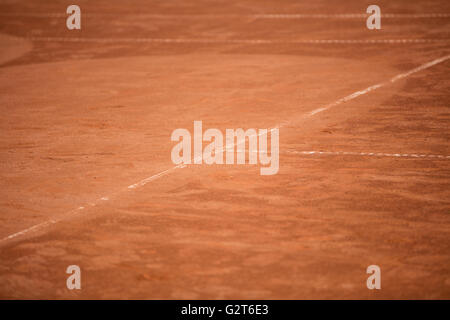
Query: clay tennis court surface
[366, 181]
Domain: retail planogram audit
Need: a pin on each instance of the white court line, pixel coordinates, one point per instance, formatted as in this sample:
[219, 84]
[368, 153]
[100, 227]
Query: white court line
[170, 170]
[92, 204]
[231, 15]
[235, 41]
[371, 154]
[352, 16]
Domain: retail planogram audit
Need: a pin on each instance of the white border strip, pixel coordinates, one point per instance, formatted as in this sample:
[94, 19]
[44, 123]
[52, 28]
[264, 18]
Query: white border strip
[170, 170]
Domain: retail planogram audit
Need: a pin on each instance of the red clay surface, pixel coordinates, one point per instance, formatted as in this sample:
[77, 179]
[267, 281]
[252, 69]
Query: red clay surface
[81, 121]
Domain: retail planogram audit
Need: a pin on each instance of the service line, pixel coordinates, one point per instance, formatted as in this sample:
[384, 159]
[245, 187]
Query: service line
[234, 41]
[231, 15]
[370, 154]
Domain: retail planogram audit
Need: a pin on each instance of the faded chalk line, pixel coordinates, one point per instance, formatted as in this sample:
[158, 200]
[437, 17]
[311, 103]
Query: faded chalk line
[234, 41]
[231, 15]
[92, 204]
[170, 170]
[352, 16]
[371, 154]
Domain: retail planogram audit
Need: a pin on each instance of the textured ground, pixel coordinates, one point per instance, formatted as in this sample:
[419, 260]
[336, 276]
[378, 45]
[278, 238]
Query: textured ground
[81, 121]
